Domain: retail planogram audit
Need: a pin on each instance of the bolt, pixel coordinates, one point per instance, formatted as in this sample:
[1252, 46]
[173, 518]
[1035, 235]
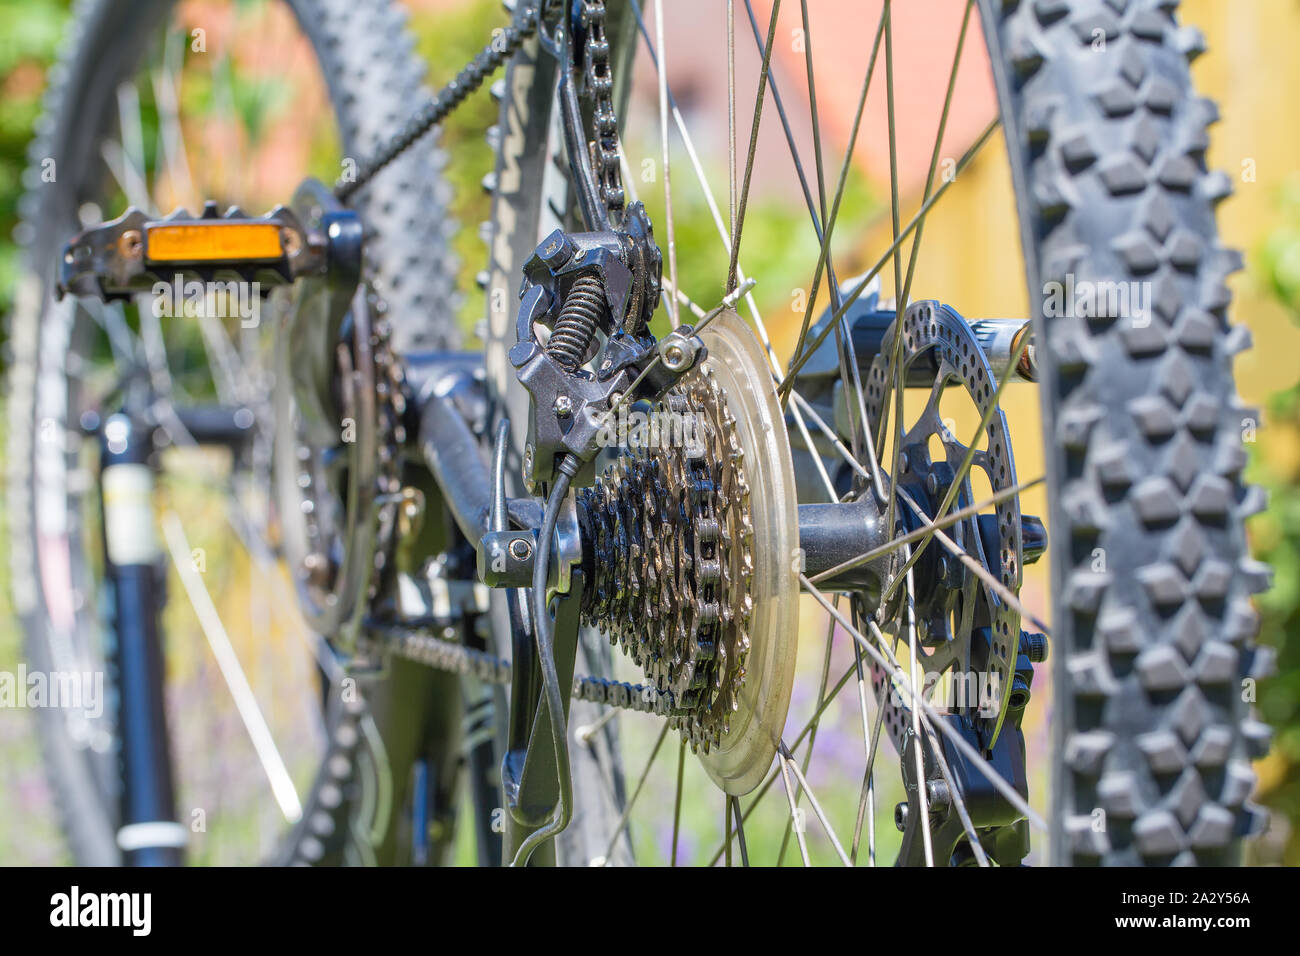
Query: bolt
[131, 244]
[932, 483]
[555, 250]
[900, 817]
[291, 242]
[563, 406]
[521, 549]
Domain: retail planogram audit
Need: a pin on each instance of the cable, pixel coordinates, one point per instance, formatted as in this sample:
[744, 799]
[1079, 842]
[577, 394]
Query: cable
[544, 631]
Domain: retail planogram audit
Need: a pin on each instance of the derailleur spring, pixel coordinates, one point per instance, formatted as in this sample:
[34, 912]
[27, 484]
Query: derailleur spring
[584, 308]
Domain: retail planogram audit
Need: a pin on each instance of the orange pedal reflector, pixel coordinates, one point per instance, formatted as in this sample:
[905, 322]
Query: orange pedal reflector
[212, 242]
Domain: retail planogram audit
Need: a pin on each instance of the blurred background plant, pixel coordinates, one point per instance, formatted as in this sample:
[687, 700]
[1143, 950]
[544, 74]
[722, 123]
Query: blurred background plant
[1276, 538]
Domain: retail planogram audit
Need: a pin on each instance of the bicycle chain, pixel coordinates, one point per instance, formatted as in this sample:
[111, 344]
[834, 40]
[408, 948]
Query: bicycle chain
[500, 48]
[598, 80]
[424, 648]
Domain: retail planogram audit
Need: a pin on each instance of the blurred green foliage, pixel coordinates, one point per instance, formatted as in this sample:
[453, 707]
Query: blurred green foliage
[30, 31]
[1276, 535]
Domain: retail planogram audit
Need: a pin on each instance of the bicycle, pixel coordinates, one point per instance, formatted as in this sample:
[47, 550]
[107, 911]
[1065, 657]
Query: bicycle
[488, 531]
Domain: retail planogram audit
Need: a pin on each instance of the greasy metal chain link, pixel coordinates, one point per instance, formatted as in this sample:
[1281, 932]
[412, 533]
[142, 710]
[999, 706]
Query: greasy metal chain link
[500, 49]
[423, 648]
[598, 77]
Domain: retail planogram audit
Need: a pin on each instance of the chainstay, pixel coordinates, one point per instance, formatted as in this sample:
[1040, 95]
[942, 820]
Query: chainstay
[422, 647]
[499, 49]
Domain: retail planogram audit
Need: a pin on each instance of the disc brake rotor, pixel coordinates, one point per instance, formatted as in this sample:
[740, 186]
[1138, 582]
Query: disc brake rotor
[964, 628]
[694, 571]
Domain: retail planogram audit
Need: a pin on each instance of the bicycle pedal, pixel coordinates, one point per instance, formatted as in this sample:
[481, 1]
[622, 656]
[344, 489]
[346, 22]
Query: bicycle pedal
[132, 254]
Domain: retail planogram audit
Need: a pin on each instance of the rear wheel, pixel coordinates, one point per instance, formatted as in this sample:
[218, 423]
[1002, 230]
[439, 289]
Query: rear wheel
[1150, 584]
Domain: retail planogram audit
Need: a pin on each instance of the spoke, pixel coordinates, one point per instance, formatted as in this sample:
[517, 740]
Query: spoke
[824, 254]
[789, 138]
[586, 732]
[225, 361]
[959, 803]
[801, 358]
[901, 298]
[794, 812]
[225, 95]
[740, 830]
[844, 342]
[155, 346]
[723, 231]
[934, 154]
[738, 229]
[871, 738]
[669, 285]
[132, 130]
[167, 94]
[731, 115]
[895, 371]
[771, 778]
[677, 801]
[228, 662]
[802, 404]
[726, 802]
[662, 70]
[812, 736]
[934, 718]
[126, 347]
[922, 795]
[263, 557]
[114, 157]
[847, 358]
[816, 805]
[820, 465]
[627, 807]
